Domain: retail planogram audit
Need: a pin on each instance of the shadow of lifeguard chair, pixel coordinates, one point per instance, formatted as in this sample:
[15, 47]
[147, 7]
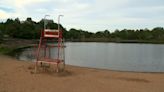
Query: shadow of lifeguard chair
[50, 50]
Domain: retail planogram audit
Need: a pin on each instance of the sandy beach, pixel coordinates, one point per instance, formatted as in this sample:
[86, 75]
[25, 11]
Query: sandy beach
[17, 76]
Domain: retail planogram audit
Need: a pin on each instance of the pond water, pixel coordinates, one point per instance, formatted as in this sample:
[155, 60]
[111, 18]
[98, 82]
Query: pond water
[112, 56]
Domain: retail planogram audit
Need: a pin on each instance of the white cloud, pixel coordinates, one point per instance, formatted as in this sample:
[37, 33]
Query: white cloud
[3, 14]
[22, 3]
[90, 15]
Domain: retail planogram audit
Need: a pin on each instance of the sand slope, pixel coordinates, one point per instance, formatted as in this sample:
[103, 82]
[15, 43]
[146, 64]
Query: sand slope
[16, 76]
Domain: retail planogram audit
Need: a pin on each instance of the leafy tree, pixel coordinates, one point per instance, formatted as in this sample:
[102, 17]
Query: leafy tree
[30, 29]
[158, 33]
[106, 33]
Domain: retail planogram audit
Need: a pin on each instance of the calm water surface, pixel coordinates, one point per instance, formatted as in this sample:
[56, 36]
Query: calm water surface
[112, 56]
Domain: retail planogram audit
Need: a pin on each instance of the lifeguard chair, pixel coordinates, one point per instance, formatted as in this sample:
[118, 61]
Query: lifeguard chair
[51, 48]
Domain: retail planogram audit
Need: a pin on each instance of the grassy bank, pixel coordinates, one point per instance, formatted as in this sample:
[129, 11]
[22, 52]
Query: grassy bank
[117, 41]
[12, 51]
[13, 46]
[5, 50]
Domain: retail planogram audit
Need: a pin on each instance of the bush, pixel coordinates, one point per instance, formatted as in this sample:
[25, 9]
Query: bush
[5, 50]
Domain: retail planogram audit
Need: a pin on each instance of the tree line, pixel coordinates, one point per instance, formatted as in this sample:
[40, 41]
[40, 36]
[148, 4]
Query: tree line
[29, 29]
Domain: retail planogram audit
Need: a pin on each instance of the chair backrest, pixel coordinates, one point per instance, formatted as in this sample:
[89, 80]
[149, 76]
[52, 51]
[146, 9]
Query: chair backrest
[51, 33]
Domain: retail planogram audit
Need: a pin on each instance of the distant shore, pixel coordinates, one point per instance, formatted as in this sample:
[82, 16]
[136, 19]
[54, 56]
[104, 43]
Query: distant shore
[10, 45]
[18, 76]
[118, 41]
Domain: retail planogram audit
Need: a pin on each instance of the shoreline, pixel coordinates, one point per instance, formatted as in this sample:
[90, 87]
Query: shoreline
[10, 46]
[121, 71]
[16, 76]
[101, 69]
[120, 41]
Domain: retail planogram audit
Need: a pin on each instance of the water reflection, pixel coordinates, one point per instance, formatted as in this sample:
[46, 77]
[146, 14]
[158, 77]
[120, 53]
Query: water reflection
[114, 56]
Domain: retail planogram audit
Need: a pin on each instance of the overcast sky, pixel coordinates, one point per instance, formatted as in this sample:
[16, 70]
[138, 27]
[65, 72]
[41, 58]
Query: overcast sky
[90, 15]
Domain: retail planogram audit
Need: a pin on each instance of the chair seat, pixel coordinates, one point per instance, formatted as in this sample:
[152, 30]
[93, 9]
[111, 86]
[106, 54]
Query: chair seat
[51, 33]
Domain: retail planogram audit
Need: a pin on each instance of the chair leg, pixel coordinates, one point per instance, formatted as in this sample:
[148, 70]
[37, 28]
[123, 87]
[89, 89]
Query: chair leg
[57, 66]
[36, 67]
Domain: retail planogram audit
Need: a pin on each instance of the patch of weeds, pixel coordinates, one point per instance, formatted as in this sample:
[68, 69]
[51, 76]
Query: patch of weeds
[5, 50]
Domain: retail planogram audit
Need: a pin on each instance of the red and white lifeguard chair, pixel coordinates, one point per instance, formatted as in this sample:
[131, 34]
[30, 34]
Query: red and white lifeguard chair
[51, 53]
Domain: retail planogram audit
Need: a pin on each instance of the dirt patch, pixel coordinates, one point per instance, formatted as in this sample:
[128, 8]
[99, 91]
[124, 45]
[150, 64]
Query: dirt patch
[134, 80]
[49, 71]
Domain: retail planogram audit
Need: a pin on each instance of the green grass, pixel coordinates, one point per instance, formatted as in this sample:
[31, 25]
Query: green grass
[11, 51]
[5, 50]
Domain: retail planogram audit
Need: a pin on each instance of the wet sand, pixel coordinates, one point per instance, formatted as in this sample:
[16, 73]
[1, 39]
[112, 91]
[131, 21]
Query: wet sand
[18, 76]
